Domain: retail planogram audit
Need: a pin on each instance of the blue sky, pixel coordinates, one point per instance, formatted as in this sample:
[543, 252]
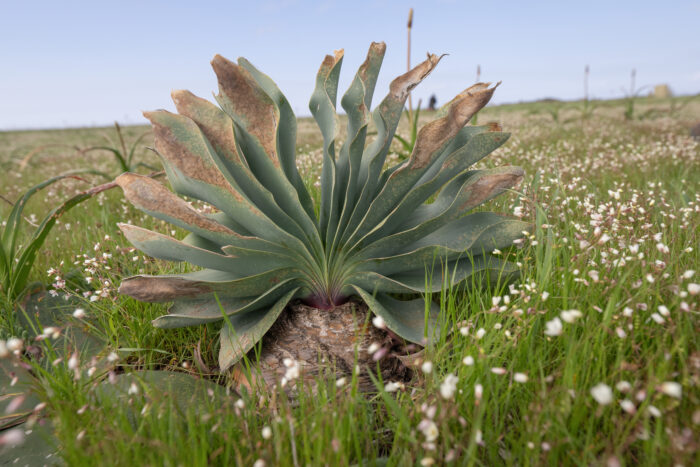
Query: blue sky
[68, 63]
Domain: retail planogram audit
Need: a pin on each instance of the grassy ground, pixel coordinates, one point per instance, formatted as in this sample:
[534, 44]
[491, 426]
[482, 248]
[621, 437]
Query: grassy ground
[616, 203]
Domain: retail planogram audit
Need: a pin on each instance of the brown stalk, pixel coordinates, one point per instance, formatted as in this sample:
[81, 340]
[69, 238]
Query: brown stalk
[408, 62]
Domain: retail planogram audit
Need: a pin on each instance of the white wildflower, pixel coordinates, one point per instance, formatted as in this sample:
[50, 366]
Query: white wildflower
[448, 386]
[602, 393]
[671, 388]
[468, 360]
[663, 310]
[571, 315]
[378, 322]
[427, 367]
[393, 386]
[693, 288]
[653, 411]
[499, 371]
[266, 432]
[73, 362]
[14, 344]
[553, 327]
[628, 406]
[480, 333]
[520, 378]
[79, 313]
[429, 430]
[13, 437]
[657, 317]
[623, 386]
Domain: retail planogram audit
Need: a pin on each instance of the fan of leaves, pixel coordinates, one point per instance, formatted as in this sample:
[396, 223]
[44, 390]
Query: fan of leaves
[374, 234]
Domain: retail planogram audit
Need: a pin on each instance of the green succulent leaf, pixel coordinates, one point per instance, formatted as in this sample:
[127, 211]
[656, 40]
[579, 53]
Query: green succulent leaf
[242, 331]
[414, 320]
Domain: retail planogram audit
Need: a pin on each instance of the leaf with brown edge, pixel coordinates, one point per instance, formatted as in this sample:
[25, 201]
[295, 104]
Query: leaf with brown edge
[247, 104]
[461, 195]
[207, 282]
[156, 200]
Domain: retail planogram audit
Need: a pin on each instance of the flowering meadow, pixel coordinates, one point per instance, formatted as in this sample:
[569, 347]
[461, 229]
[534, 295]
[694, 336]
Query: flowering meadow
[590, 357]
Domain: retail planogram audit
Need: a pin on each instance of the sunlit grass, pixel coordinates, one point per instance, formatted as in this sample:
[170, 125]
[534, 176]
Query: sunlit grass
[616, 206]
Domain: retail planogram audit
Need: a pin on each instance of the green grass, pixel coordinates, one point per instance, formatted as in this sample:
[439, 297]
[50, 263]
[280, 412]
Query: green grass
[609, 196]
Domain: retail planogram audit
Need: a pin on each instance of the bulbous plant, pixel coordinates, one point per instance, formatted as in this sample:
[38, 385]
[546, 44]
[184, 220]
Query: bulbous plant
[374, 233]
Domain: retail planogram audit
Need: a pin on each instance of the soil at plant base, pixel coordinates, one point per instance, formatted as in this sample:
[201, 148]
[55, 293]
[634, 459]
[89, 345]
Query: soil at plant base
[322, 341]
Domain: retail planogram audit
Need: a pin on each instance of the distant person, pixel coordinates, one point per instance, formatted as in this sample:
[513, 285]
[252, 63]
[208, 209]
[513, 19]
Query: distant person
[432, 103]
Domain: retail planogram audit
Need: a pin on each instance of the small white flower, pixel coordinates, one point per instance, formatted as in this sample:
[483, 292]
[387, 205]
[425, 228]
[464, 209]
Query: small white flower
[112, 357]
[627, 312]
[553, 327]
[478, 391]
[653, 411]
[13, 437]
[448, 386]
[464, 330]
[571, 315]
[378, 322]
[468, 360]
[427, 367]
[602, 393]
[628, 406]
[340, 382]
[688, 274]
[14, 344]
[427, 461]
[480, 333]
[693, 289]
[373, 347]
[292, 372]
[4, 351]
[499, 371]
[73, 362]
[266, 432]
[663, 310]
[133, 389]
[430, 431]
[520, 378]
[259, 463]
[623, 386]
[657, 317]
[79, 313]
[671, 388]
[240, 403]
[393, 386]
[620, 332]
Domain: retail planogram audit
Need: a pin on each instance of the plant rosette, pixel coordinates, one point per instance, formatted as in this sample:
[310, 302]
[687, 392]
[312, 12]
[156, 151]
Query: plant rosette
[373, 237]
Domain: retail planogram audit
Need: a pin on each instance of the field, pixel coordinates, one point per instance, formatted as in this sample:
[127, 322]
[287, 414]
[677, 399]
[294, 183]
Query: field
[591, 357]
